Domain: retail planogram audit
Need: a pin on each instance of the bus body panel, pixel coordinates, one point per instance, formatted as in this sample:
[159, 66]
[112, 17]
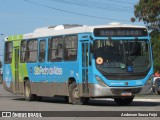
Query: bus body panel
[52, 78]
[7, 78]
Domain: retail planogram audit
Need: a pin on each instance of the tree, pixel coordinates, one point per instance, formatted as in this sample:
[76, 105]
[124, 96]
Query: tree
[156, 49]
[148, 11]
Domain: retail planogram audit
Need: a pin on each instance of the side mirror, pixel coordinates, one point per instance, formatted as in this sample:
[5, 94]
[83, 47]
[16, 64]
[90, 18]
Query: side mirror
[91, 48]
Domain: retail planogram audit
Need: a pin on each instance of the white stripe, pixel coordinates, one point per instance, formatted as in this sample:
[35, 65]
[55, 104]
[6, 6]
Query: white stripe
[135, 99]
[147, 100]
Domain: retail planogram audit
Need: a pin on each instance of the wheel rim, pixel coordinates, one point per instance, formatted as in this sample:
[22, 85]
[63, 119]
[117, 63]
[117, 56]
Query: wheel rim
[27, 91]
[76, 94]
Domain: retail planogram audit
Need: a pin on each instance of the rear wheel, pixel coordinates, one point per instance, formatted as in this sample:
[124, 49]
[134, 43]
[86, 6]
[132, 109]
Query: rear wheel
[27, 90]
[66, 99]
[124, 101]
[75, 96]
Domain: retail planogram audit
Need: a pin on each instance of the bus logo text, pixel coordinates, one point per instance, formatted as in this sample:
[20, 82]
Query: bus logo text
[47, 71]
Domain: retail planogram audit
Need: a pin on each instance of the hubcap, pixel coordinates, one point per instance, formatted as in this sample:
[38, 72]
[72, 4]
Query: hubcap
[27, 91]
[76, 93]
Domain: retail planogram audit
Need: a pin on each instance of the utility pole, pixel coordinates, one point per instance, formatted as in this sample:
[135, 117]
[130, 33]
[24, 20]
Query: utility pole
[1, 46]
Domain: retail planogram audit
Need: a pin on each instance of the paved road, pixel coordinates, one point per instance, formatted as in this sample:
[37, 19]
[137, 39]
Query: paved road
[11, 102]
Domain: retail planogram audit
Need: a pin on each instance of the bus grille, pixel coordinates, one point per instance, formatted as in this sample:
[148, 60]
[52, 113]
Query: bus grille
[124, 77]
[132, 90]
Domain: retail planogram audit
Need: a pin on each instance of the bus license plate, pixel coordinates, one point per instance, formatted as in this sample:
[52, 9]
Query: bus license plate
[126, 94]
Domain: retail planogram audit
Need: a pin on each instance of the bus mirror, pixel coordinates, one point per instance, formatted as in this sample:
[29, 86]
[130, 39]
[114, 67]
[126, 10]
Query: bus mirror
[91, 48]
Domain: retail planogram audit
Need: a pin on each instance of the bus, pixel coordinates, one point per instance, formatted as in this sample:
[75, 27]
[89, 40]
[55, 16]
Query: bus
[80, 62]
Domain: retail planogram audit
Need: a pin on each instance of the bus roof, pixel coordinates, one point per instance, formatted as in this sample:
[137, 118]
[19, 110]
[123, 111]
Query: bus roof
[71, 29]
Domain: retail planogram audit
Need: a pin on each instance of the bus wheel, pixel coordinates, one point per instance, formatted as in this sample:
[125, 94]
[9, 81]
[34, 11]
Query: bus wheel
[74, 95]
[158, 92]
[66, 99]
[27, 90]
[124, 101]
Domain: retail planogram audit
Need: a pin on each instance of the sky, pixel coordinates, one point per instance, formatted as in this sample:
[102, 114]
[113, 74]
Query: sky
[23, 16]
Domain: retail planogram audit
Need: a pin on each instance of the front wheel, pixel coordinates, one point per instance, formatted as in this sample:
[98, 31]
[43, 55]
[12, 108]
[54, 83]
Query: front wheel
[124, 101]
[27, 91]
[74, 95]
[158, 92]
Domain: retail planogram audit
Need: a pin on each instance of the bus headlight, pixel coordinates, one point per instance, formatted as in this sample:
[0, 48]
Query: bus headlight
[100, 81]
[149, 81]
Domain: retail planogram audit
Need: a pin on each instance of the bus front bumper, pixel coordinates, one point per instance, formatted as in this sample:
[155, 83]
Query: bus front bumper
[99, 91]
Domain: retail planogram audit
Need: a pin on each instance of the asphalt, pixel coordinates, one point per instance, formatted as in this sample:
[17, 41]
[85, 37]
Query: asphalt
[152, 97]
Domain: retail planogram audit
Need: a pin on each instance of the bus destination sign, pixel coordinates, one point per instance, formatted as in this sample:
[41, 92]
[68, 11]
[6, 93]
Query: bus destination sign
[120, 32]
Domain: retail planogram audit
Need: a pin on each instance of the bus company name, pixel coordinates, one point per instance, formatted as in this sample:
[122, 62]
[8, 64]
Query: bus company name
[47, 71]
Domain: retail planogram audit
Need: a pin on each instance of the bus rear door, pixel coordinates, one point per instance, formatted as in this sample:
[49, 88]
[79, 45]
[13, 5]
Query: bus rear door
[16, 70]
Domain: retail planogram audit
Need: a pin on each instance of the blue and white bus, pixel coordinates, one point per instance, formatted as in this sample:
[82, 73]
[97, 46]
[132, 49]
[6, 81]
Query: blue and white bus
[80, 62]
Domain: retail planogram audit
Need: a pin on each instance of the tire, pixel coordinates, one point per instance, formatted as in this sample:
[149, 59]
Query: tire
[158, 92]
[38, 98]
[124, 101]
[74, 95]
[27, 91]
[66, 99]
[157, 84]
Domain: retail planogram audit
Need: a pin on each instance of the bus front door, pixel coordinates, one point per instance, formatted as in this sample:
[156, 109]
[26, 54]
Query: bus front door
[85, 67]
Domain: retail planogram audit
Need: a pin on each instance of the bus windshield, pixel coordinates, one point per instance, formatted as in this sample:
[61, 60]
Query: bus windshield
[122, 56]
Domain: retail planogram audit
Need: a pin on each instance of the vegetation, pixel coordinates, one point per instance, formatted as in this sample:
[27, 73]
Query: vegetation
[148, 11]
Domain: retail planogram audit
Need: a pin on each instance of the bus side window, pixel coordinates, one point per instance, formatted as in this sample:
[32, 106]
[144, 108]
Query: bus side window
[42, 51]
[70, 48]
[8, 52]
[56, 49]
[23, 51]
[32, 51]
